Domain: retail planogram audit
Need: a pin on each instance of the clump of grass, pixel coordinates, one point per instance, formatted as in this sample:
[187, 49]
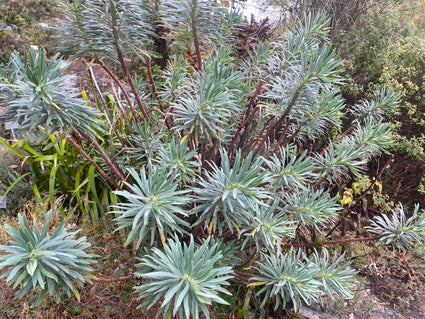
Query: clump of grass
[11, 168]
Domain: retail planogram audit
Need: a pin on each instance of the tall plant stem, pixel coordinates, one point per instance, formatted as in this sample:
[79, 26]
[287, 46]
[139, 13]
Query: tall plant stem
[107, 115]
[196, 37]
[213, 150]
[114, 168]
[121, 60]
[268, 133]
[198, 50]
[123, 90]
[114, 279]
[281, 138]
[250, 115]
[97, 167]
[289, 140]
[122, 110]
[281, 119]
[132, 86]
[155, 90]
[348, 130]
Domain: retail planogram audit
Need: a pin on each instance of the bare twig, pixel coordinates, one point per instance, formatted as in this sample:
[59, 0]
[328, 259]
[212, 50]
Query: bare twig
[155, 90]
[123, 90]
[98, 168]
[115, 169]
[250, 114]
[332, 242]
[114, 279]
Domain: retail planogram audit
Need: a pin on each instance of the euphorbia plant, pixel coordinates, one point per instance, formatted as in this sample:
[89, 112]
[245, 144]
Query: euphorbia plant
[56, 263]
[240, 151]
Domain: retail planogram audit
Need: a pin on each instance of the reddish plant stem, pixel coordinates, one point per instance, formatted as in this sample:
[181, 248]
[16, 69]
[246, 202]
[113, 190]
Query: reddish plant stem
[317, 184]
[115, 169]
[197, 49]
[281, 138]
[213, 149]
[151, 79]
[98, 168]
[268, 133]
[266, 125]
[282, 118]
[124, 91]
[122, 110]
[255, 95]
[131, 83]
[121, 60]
[155, 90]
[337, 139]
[289, 140]
[250, 115]
[108, 117]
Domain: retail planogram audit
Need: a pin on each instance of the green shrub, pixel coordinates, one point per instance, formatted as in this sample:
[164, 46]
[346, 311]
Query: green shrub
[186, 276]
[50, 262]
[229, 157]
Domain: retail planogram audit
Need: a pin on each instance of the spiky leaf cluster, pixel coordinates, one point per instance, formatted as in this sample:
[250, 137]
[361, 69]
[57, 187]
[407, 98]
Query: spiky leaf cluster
[146, 142]
[267, 226]
[194, 20]
[55, 263]
[176, 158]
[300, 87]
[401, 232]
[176, 79]
[290, 169]
[337, 163]
[212, 98]
[312, 208]
[185, 276]
[335, 277]
[42, 97]
[103, 26]
[288, 279]
[153, 203]
[376, 110]
[370, 140]
[293, 277]
[228, 194]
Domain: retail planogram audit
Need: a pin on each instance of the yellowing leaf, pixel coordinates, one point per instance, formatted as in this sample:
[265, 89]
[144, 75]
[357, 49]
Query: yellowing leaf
[210, 226]
[55, 105]
[84, 94]
[348, 197]
[184, 137]
[32, 266]
[76, 294]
